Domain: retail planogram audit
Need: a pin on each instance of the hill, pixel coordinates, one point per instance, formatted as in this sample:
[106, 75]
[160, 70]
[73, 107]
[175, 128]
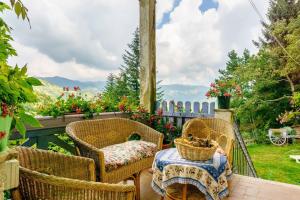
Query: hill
[84, 85]
[179, 92]
[176, 92]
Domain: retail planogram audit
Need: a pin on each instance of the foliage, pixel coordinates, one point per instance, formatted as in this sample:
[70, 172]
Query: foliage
[271, 78]
[16, 88]
[224, 88]
[266, 159]
[292, 117]
[157, 122]
[73, 102]
[127, 83]
[6, 48]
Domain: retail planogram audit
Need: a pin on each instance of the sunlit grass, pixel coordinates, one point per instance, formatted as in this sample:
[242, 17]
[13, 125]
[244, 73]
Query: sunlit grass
[273, 162]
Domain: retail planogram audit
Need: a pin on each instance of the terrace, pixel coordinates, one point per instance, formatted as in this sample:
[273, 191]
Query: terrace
[244, 184]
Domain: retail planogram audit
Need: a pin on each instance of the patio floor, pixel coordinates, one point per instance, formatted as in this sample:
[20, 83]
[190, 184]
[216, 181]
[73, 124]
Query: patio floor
[241, 188]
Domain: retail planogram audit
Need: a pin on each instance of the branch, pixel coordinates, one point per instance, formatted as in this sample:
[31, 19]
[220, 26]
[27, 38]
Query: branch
[278, 99]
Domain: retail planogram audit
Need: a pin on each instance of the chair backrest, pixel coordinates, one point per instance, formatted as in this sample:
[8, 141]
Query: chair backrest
[57, 164]
[49, 175]
[102, 132]
[199, 127]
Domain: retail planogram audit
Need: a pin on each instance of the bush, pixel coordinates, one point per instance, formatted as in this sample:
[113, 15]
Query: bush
[71, 102]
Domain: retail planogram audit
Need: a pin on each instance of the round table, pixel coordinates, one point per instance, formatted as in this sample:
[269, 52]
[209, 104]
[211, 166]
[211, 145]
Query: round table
[209, 177]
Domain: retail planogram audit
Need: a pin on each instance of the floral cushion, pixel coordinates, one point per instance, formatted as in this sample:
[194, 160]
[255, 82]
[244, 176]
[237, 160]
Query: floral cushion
[126, 153]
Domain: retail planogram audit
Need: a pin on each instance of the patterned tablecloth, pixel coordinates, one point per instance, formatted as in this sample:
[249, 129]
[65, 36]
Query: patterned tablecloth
[210, 177]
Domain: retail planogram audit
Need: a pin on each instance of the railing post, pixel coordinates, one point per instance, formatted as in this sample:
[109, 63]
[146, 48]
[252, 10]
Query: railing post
[225, 114]
[9, 171]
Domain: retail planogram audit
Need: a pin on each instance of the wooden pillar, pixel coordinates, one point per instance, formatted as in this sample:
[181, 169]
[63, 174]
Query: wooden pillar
[147, 54]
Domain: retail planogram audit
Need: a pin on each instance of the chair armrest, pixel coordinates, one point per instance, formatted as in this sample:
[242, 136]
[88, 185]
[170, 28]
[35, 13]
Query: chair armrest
[35, 185]
[150, 135]
[57, 164]
[87, 150]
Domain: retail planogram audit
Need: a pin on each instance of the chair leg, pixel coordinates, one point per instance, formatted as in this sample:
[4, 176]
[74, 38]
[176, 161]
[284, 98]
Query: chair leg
[137, 184]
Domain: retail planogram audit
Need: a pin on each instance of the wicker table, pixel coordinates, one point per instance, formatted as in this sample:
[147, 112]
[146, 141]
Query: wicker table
[209, 177]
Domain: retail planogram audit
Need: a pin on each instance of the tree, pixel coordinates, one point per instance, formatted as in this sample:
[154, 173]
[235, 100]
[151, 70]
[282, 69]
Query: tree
[277, 38]
[127, 83]
[131, 67]
[6, 48]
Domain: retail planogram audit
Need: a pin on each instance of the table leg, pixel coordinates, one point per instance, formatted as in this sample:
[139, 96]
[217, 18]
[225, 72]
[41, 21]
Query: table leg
[184, 192]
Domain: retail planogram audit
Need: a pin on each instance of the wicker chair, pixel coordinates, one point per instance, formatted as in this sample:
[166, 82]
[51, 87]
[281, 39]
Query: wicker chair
[55, 176]
[216, 129]
[91, 136]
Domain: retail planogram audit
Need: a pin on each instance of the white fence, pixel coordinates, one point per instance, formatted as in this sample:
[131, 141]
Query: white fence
[179, 112]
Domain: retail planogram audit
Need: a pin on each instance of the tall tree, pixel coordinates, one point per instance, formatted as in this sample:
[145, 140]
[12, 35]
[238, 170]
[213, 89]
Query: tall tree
[131, 67]
[277, 38]
[127, 83]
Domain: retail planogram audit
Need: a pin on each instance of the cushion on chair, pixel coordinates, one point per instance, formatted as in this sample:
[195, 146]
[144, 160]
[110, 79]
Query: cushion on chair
[118, 155]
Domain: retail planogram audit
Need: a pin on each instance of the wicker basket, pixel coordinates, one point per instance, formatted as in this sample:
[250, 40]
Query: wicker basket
[190, 152]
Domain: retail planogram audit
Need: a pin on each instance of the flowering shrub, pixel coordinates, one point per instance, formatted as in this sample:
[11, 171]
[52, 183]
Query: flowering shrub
[156, 122]
[222, 88]
[125, 105]
[73, 102]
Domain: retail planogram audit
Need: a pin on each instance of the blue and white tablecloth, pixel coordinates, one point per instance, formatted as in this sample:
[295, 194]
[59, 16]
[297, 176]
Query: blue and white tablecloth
[210, 177]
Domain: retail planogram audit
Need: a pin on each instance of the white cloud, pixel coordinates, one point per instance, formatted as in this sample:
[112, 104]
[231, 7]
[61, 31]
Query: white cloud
[194, 45]
[42, 65]
[90, 34]
[85, 39]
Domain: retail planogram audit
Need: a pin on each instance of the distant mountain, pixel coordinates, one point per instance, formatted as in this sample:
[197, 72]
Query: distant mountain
[176, 92]
[84, 85]
[179, 92]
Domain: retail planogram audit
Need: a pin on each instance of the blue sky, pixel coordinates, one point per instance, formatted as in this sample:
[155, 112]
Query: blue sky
[206, 5]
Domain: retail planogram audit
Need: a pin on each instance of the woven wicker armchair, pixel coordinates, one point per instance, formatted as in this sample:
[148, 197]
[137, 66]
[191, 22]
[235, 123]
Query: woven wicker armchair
[91, 136]
[218, 129]
[55, 176]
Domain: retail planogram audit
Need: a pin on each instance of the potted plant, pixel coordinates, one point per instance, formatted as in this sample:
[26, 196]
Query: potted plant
[16, 89]
[223, 91]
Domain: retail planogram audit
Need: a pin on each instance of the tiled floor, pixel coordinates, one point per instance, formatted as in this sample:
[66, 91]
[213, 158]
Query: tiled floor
[241, 188]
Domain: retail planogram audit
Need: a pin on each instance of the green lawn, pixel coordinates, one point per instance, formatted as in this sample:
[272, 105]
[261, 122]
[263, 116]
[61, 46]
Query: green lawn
[273, 163]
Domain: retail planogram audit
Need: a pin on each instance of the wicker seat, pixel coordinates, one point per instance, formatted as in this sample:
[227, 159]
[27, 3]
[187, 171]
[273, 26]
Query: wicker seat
[91, 136]
[55, 176]
[219, 130]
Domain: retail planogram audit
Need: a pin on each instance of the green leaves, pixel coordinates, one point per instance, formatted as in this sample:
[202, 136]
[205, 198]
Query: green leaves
[34, 81]
[29, 120]
[20, 126]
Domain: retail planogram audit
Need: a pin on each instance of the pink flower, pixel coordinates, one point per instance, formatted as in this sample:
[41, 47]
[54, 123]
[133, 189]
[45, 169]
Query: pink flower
[122, 107]
[226, 94]
[66, 88]
[208, 94]
[160, 112]
[78, 110]
[2, 134]
[76, 88]
[212, 85]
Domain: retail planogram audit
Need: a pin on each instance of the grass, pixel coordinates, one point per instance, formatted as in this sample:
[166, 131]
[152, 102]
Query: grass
[273, 162]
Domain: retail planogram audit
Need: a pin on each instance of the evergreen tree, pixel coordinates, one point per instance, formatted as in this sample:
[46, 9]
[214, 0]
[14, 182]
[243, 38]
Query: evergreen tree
[127, 83]
[277, 39]
[131, 67]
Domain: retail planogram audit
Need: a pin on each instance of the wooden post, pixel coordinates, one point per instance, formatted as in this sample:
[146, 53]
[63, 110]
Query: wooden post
[225, 114]
[147, 54]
